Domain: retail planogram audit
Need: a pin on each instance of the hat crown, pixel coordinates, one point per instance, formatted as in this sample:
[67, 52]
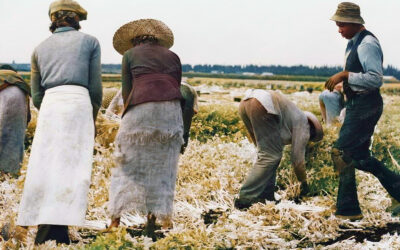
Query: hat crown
[348, 9]
[348, 13]
[122, 40]
[69, 5]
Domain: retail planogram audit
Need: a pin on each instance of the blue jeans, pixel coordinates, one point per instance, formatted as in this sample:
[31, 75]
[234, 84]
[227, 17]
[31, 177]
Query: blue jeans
[362, 115]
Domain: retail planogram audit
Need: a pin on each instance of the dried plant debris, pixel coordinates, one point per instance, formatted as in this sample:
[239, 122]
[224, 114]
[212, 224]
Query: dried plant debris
[210, 175]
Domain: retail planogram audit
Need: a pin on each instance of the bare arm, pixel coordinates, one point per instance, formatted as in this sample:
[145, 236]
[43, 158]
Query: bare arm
[300, 137]
[323, 110]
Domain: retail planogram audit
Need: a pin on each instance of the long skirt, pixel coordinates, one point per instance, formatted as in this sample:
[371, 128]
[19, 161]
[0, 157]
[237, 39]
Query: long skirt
[59, 169]
[13, 118]
[147, 152]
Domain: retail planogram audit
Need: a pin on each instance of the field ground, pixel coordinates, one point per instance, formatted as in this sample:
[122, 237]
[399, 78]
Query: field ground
[211, 172]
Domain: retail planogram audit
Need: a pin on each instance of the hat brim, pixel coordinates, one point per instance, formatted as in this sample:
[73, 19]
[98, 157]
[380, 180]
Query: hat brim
[122, 40]
[316, 126]
[342, 19]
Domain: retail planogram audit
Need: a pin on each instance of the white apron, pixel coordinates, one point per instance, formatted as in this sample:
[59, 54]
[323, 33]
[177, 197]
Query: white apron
[59, 169]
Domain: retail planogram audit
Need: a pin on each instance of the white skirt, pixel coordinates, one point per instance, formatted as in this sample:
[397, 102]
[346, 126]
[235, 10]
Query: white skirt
[59, 169]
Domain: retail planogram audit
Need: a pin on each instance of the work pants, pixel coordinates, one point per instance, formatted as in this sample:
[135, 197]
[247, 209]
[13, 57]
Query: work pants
[362, 114]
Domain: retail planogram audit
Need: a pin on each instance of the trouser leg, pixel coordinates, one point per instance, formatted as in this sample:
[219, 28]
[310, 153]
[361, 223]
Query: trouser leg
[260, 182]
[389, 179]
[347, 199]
[59, 233]
[347, 203]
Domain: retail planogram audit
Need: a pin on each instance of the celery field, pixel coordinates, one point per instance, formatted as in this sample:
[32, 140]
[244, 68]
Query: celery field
[210, 174]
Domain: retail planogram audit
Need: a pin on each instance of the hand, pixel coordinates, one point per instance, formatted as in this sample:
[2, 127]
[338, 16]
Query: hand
[336, 79]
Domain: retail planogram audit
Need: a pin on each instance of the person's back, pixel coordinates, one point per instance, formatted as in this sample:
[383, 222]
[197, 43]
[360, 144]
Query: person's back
[154, 59]
[74, 51]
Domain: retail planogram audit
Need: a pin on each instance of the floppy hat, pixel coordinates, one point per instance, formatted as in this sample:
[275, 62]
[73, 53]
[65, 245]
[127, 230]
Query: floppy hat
[122, 39]
[69, 5]
[348, 13]
[315, 125]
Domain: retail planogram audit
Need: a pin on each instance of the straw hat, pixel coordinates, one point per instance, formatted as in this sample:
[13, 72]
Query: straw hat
[315, 125]
[122, 40]
[69, 5]
[348, 13]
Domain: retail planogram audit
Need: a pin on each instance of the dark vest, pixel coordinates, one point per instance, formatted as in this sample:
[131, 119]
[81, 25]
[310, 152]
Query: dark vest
[353, 63]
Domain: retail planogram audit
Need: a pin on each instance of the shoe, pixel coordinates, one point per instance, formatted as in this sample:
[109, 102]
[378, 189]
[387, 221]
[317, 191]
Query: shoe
[350, 217]
[241, 206]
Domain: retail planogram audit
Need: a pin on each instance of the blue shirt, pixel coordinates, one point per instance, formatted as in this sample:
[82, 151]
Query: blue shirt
[370, 55]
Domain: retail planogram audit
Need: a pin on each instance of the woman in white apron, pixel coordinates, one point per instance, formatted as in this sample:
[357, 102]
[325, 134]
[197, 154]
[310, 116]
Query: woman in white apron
[66, 87]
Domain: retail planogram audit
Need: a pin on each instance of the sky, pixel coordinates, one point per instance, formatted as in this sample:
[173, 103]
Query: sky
[262, 32]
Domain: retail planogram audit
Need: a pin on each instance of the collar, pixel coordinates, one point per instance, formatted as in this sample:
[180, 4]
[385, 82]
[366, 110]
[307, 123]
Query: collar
[63, 29]
[355, 37]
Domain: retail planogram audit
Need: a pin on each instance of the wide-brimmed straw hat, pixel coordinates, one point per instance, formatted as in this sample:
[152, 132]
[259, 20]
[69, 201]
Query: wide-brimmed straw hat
[122, 40]
[348, 13]
[68, 5]
[315, 126]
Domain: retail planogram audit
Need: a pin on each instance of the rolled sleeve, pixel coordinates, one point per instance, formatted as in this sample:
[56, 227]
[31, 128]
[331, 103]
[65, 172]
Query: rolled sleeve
[370, 56]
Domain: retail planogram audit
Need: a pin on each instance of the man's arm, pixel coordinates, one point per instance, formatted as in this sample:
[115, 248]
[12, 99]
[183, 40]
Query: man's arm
[371, 57]
[37, 90]
[300, 138]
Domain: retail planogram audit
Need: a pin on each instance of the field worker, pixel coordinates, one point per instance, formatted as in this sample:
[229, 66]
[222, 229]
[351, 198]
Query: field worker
[14, 116]
[189, 108]
[362, 78]
[331, 104]
[150, 136]
[66, 88]
[272, 122]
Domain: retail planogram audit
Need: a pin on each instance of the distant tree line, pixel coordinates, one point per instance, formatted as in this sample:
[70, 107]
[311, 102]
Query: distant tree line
[299, 70]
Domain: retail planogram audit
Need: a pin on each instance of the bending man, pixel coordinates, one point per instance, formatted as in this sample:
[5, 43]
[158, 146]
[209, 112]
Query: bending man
[272, 122]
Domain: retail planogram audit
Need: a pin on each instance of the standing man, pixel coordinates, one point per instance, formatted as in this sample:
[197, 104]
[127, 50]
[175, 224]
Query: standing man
[362, 78]
[272, 122]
